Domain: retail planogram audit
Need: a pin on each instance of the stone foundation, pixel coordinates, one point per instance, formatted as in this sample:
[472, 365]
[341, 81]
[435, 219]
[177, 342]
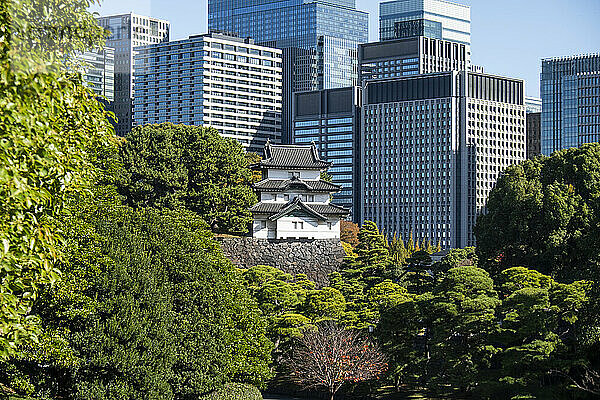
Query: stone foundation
[315, 258]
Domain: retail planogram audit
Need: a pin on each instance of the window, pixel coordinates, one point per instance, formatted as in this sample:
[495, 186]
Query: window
[298, 225]
[294, 174]
[330, 225]
[286, 197]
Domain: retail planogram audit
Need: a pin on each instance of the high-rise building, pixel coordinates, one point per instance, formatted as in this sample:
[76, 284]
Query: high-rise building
[330, 119]
[570, 89]
[319, 39]
[98, 72]
[533, 110]
[127, 31]
[435, 19]
[433, 146]
[533, 104]
[215, 80]
[412, 56]
[534, 131]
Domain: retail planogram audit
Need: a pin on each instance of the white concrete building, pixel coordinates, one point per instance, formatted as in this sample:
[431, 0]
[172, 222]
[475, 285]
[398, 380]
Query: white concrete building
[225, 82]
[294, 202]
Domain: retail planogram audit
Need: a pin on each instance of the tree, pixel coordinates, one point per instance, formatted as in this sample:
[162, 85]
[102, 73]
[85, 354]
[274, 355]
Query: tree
[537, 336]
[192, 167]
[49, 124]
[349, 232]
[332, 356]
[544, 214]
[373, 261]
[150, 308]
[418, 273]
[460, 314]
[456, 258]
[398, 252]
[281, 298]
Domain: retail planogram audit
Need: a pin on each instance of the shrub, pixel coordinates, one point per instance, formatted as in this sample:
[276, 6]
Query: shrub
[235, 391]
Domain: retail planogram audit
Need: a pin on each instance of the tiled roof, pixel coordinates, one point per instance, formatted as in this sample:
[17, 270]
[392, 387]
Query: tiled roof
[292, 156]
[281, 185]
[279, 209]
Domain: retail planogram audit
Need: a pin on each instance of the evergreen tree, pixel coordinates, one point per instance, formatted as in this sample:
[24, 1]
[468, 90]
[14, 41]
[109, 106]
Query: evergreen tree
[410, 246]
[373, 255]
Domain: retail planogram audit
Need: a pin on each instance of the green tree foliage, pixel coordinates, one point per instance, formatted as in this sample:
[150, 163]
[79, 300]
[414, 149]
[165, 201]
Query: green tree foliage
[192, 167]
[544, 213]
[49, 124]
[417, 272]
[456, 258]
[149, 309]
[398, 251]
[539, 319]
[235, 392]
[281, 298]
[461, 316]
[373, 259]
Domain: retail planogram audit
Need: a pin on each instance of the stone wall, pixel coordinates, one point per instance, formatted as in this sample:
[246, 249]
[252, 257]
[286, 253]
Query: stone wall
[315, 258]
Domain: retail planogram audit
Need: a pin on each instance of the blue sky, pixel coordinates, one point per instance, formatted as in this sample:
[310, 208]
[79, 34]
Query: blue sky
[509, 37]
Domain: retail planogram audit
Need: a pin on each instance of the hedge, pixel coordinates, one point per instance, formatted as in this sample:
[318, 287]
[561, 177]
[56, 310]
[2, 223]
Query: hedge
[235, 391]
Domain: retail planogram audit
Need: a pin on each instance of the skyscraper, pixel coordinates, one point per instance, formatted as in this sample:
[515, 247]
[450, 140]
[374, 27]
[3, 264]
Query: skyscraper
[432, 148]
[570, 89]
[330, 118]
[435, 19]
[215, 80]
[128, 31]
[533, 110]
[319, 39]
[412, 56]
[98, 71]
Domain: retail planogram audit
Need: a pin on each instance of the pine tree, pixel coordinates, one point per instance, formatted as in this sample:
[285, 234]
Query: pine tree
[438, 247]
[373, 254]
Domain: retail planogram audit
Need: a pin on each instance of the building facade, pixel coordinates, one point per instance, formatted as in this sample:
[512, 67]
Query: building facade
[127, 31]
[294, 202]
[98, 72]
[214, 80]
[534, 132]
[533, 104]
[433, 147]
[413, 56]
[319, 40]
[435, 19]
[330, 119]
[570, 89]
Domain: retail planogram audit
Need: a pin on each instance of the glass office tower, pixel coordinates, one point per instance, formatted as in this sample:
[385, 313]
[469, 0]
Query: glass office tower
[435, 19]
[330, 119]
[570, 89]
[319, 40]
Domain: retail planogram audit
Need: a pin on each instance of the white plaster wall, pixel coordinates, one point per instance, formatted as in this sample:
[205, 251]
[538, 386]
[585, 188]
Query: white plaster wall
[285, 174]
[264, 229]
[278, 197]
[311, 228]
